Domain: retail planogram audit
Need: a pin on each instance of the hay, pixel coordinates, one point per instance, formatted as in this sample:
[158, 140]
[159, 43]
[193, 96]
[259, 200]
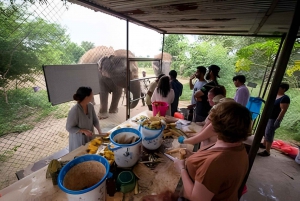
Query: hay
[84, 175]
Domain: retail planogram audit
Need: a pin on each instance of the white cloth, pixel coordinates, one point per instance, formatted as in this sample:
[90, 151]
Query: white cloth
[169, 99]
[197, 86]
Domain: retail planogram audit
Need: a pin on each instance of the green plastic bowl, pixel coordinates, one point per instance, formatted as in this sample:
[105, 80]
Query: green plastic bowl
[126, 181]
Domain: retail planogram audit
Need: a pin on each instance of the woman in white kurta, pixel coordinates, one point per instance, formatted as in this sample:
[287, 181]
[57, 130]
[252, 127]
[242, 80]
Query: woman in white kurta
[164, 93]
[82, 119]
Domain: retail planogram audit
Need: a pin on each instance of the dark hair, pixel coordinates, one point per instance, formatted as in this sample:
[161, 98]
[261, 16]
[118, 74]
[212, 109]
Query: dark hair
[173, 74]
[218, 90]
[284, 85]
[240, 78]
[163, 86]
[81, 93]
[158, 77]
[231, 121]
[215, 70]
[202, 69]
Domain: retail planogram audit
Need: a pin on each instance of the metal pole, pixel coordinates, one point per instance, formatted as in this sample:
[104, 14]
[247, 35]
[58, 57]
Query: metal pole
[162, 52]
[283, 59]
[127, 73]
[275, 61]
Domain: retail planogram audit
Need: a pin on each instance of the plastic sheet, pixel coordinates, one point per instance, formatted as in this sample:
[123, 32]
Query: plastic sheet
[32, 191]
[265, 193]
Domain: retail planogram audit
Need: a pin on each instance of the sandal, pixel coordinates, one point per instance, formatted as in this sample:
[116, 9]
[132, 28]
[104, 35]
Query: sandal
[264, 153]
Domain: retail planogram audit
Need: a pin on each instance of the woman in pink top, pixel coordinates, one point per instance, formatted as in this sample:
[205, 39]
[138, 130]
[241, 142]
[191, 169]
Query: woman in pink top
[164, 93]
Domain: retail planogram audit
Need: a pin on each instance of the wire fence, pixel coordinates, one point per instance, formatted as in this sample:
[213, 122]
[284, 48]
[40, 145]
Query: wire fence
[30, 128]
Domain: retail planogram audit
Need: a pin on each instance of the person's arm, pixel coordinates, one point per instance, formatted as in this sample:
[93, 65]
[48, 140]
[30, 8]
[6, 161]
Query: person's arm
[191, 82]
[181, 88]
[153, 97]
[202, 135]
[96, 121]
[198, 94]
[283, 107]
[151, 89]
[172, 96]
[192, 191]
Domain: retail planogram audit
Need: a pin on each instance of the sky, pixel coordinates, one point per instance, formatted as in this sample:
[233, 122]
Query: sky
[87, 25]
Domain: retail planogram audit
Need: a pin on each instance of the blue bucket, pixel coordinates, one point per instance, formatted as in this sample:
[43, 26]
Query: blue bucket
[91, 193]
[254, 105]
[126, 155]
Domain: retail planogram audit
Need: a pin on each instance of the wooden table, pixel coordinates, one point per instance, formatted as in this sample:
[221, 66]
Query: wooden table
[37, 187]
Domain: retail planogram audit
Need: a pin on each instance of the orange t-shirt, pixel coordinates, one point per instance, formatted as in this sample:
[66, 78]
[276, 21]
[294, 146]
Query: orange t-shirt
[221, 170]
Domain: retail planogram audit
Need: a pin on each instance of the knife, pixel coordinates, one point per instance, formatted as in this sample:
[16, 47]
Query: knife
[170, 157]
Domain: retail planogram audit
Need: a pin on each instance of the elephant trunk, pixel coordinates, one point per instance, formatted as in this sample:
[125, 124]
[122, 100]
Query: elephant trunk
[135, 89]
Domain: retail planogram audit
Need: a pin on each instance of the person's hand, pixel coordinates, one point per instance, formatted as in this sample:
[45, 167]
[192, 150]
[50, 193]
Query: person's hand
[179, 164]
[87, 132]
[277, 123]
[181, 140]
[193, 77]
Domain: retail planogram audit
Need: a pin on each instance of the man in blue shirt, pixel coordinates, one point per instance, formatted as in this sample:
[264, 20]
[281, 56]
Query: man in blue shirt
[177, 87]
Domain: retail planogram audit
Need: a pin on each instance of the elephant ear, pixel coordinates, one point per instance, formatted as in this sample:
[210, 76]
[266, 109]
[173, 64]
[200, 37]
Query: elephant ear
[105, 66]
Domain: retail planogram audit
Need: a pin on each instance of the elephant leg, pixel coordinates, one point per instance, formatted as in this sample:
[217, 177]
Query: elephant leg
[103, 102]
[116, 95]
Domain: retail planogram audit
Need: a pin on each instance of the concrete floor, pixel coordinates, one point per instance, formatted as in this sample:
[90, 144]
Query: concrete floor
[276, 177]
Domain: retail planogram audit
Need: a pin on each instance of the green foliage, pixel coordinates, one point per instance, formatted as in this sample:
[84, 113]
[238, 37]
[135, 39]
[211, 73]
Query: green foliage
[27, 43]
[25, 109]
[186, 93]
[178, 47]
[255, 58]
[86, 45]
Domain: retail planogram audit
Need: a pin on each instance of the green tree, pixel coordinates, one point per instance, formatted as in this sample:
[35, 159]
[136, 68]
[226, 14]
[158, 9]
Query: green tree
[255, 58]
[26, 44]
[86, 45]
[177, 46]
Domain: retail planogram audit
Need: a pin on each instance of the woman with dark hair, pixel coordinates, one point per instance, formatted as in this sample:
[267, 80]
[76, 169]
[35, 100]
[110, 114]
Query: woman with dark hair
[82, 119]
[164, 92]
[217, 172]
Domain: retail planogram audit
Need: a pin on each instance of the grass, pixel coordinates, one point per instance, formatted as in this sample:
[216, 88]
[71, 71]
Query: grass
[25, 108]
[186, 93]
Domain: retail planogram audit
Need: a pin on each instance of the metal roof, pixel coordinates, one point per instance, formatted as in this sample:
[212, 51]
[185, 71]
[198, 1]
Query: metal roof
[220, 17]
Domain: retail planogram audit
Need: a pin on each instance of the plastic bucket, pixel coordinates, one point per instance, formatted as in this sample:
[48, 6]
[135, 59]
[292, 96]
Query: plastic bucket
[161, 107]
[151, 139]
[126, 155]
[96, 192]
[254, 105]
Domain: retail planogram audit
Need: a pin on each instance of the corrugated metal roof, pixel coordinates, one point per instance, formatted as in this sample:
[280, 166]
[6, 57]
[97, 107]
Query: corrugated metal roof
[231, 17]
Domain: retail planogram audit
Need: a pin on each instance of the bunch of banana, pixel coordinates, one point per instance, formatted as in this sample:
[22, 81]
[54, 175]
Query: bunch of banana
[173, 132]
[93, 145]
[109, 155]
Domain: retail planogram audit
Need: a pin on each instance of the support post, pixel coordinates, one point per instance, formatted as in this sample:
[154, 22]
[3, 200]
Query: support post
[275, 61]
[162, 52]
[281, 65]
[127, 72]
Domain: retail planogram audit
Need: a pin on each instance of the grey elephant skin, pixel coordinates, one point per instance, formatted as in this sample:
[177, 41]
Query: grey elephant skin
[166, 65]
[112, 76]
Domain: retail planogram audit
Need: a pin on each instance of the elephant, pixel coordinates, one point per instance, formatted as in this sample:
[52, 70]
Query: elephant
[167, 60]
[112, 76]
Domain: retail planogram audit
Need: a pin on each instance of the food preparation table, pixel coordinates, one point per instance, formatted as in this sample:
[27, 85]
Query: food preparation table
[36, 187]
